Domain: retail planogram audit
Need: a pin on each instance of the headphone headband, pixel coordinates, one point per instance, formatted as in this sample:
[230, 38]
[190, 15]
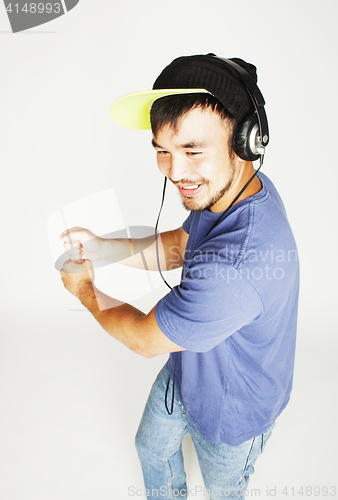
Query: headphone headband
[255, 95]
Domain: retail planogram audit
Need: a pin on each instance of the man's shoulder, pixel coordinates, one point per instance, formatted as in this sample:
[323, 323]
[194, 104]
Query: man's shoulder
[272, 191]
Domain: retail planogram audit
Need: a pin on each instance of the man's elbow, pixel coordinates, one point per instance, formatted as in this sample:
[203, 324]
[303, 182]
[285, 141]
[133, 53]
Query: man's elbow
[152, 351]
[145, 351]
[148, 354]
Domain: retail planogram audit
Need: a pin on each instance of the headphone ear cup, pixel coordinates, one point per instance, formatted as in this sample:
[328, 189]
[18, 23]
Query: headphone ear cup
[245, 138]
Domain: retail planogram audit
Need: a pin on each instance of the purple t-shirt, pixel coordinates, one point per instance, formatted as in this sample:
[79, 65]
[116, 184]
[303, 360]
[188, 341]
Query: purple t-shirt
[235, 313]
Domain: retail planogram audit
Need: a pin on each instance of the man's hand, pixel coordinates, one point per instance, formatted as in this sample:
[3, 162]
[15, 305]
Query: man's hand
[80, 243]
[77, 278]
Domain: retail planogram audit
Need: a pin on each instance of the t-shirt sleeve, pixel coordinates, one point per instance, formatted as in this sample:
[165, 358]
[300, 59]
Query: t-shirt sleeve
[212, 302]
[187, 223]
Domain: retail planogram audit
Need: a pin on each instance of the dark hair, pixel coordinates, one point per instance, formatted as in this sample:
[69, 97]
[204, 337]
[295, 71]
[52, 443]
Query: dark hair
[169, 109]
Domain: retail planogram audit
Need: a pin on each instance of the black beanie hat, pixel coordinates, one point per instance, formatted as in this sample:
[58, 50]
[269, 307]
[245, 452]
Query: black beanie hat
[212, 74]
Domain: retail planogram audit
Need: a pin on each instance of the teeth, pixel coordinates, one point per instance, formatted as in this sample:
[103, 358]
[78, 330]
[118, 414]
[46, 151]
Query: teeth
[189, 187]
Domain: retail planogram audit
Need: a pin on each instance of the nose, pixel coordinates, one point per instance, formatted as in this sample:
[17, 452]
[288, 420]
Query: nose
[177, 168]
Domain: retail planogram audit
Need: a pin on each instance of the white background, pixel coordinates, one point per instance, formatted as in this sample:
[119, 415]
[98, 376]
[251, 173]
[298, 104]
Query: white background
[71, 396]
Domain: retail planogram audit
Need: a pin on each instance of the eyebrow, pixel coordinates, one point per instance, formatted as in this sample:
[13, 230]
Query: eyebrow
[154, 144]
[188, 145]
[193, 145]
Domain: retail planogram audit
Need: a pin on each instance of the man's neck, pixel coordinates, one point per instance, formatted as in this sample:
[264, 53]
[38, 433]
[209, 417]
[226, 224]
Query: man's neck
[245, 173]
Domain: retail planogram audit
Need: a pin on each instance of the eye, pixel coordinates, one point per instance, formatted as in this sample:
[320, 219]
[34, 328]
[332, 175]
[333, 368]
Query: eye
[194, 153]
[162, 152]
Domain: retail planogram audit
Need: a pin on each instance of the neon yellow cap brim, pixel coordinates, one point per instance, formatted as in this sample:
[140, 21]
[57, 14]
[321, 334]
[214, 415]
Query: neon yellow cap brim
[132, 110]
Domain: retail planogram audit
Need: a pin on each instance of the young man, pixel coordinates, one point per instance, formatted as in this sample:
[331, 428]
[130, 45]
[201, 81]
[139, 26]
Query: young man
[230, 324]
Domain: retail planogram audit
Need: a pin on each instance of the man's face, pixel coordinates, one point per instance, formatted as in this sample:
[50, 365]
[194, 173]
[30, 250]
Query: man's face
[195, 157]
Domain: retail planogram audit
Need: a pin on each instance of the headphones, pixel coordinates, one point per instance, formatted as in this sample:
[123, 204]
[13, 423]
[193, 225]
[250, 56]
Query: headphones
[252, 134]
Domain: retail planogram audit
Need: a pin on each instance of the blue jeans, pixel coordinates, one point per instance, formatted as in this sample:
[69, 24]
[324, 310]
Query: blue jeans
[225, 469]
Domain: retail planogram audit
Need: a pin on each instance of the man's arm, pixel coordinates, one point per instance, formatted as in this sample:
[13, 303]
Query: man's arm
[171, 248]
[133, 328]
[81, 244]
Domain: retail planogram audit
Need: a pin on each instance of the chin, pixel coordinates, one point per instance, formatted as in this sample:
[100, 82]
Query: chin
[194, 207]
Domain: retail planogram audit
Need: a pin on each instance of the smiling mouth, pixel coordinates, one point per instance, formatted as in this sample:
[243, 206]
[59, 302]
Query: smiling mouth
[190, 189]
[194, 186]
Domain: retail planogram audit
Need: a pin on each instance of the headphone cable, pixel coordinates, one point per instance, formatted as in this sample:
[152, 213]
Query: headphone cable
[160, 271]
[156, 235]
[246, 185]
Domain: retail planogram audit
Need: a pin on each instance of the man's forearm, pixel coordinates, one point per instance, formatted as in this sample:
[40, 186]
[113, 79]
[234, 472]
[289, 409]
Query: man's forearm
[117, 318]
[141, 253]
